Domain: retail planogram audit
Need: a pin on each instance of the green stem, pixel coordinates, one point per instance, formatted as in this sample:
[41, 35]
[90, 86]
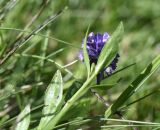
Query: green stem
[70, 103]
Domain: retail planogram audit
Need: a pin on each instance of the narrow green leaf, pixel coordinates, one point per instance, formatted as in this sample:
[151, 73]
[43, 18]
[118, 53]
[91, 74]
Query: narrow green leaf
[44, 48]
[85, 53]
[2, 44]
[23, 119]
[110, 49]
[93, 67]
[139, 99]
[104, 86]
[134, 86]
[52, 99]
[120, 70]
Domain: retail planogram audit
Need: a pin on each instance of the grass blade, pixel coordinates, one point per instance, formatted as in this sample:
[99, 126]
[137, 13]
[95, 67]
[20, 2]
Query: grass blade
[110, 49]
[41, 35]
[49, 60]
[7, 8]
[118, 71]
[22, 41]
[137, 100]
[52, 100]
[23, 119]
[104, 86]
[134, 86]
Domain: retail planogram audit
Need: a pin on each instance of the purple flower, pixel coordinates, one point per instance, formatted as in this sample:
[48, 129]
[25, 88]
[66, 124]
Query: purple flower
[95, 43]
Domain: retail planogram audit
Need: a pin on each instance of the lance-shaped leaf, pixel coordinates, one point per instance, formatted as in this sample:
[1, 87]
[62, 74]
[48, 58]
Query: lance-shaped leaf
[85, 53]
[110, 49]
[23, 119]
[134, 86]
[52, 99]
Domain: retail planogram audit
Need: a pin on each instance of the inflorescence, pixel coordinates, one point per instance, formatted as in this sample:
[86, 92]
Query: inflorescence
[94, 44]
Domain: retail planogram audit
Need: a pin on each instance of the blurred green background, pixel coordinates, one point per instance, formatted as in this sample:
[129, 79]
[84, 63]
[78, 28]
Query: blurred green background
[24, 79]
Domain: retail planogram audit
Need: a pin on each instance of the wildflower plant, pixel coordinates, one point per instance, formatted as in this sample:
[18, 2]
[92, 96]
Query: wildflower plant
[47, 103]
[105, 57]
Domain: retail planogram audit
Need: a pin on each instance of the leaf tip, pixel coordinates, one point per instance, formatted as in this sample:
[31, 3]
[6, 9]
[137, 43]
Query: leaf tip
[58, 72]
[121, 27]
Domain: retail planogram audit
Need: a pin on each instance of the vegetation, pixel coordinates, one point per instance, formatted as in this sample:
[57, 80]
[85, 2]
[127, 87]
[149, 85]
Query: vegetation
[43, 84]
